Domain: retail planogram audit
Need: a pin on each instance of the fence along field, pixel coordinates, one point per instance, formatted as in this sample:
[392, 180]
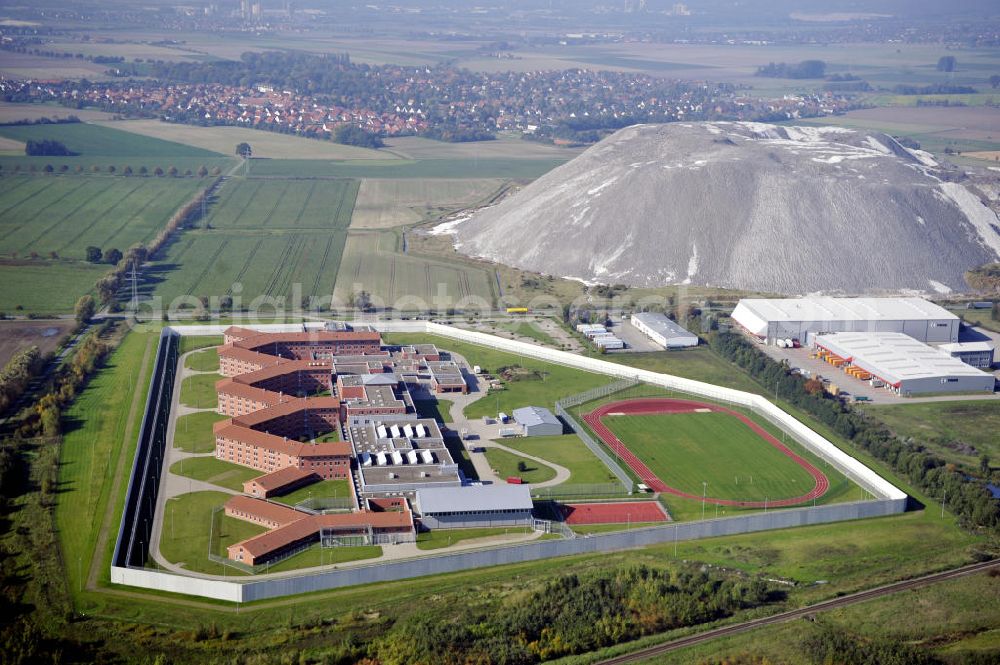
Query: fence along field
[374, 262]
[265, 235]
[67, 214]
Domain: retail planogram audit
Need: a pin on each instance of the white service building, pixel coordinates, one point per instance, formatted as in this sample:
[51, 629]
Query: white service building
[668, 334]
[538, 421]
[907, 366]
[770, 319]
[977, 354]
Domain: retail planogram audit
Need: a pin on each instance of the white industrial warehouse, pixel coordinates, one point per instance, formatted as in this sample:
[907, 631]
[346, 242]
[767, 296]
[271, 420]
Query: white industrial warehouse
[771, 319]
[905, 365]
[537, 421]
[663, 331]
[977, 354]
[475, 506]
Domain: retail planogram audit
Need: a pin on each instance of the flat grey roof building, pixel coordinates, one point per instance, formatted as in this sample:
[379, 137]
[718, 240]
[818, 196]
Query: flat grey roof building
[659, 328]
[537, 421]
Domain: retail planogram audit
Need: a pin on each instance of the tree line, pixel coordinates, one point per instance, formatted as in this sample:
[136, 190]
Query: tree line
[965, 495]
[17, 374]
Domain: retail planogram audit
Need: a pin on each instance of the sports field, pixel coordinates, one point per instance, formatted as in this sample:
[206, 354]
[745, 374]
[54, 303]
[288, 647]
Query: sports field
[686, 448]
[66, 214]
[266, 236]
[617, 512]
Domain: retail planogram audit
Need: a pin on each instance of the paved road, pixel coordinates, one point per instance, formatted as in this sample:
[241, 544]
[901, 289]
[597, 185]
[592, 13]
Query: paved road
[825, 606]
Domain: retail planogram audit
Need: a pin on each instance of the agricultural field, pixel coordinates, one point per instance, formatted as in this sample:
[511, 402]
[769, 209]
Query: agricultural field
[266, 145]
[493, 167]
[45, 287]
[28, 66]
[970, 134]
[506, 146]
[18, 335]
[373, 261]
[66, 214]
[687, 449]
[90, 139]
[15, 112]
[265, 236]
[960, 432]
[386, 203]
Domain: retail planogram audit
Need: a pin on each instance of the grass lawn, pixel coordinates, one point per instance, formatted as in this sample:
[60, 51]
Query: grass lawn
[98, 438]
[568, 451]
[686, 449]
[553, 382]
[215, 471]
[198, 391]
[440, 538]
[505, 465]
[203, 361]
[193, 432]
[325, 556]
[438, 409]
[194, 342]
[941, 424]
[324, 489]
[700, 363]
[187, 526]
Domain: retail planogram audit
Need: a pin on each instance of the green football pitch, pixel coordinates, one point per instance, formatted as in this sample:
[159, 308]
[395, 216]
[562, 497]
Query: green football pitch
[687, 449]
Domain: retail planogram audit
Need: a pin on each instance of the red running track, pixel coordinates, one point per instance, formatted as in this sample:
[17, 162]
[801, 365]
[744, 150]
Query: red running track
[659, 405]
[619, 512]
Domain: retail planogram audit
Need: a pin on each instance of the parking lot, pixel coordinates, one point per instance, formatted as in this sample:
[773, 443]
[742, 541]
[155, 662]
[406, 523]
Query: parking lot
[815, 367]
[635, 341]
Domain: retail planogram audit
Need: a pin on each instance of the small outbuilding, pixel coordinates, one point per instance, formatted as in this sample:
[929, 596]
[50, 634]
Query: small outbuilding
[538, 421]
[668, 334]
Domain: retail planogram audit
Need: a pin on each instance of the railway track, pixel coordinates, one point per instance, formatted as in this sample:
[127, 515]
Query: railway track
[825, 606]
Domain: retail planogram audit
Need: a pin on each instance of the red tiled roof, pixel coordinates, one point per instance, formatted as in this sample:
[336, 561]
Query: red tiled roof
[282, 477]
[287, 406]
[278, 444]
[265, 510]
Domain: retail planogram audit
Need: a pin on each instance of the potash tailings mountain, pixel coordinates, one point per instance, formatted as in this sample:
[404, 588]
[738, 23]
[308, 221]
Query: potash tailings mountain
[746, 206]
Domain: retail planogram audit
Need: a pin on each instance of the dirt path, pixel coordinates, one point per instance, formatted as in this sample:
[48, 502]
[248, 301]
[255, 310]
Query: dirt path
[116, 484]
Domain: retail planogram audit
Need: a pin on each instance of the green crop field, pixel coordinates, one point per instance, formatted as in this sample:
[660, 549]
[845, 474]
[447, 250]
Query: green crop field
[66, 214]
[686, 449]
[50, 287]
[215, 471]
[89, 140]
[957, 431]
[193, 432]
[264, 236]
[374, 262]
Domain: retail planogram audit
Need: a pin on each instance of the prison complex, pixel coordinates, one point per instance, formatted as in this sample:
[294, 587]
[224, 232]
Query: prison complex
[326, 405]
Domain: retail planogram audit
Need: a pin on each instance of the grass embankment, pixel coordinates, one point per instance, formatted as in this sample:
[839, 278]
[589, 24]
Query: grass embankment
[960, 432]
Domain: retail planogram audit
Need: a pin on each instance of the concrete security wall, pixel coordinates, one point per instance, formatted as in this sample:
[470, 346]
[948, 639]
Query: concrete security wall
[890, 499]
